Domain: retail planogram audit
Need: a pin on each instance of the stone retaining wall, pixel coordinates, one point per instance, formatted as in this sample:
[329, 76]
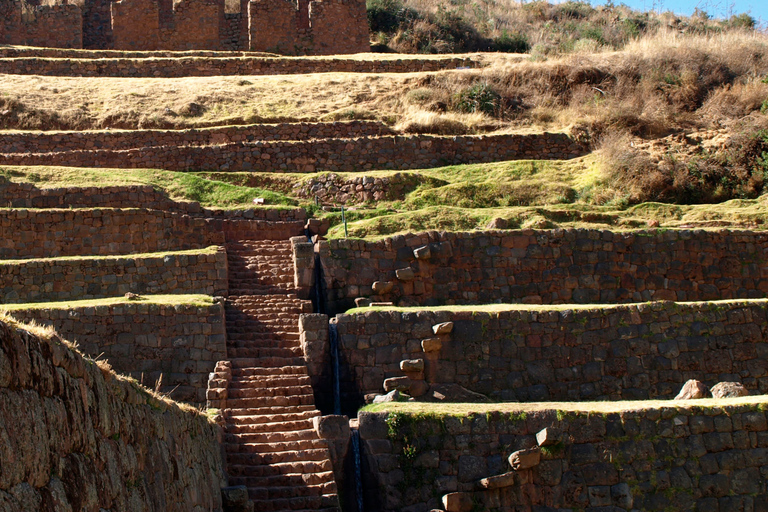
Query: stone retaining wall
[45, 142]
[41, 25]
[631, 352]
[182, 343]
[548, 266]
[53, 233]
[59, 279]
[224, 66]
[349, 155]
[678, 458]
[76, 438]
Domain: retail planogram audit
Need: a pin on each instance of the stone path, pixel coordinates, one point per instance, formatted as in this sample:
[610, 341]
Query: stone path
[271, 445]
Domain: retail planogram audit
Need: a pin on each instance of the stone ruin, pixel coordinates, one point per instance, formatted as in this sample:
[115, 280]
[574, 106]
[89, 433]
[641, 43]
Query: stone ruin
[318, 27]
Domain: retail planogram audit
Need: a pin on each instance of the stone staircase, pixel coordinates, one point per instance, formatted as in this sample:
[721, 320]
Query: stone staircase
[271, 445]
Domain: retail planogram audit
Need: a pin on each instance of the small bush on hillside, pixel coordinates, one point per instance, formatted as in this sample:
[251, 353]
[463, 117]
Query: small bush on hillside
[511, 43]
[479, 97]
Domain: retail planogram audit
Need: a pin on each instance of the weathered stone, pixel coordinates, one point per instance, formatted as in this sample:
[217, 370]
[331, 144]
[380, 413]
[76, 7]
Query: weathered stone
[362, 302]
[331, 426]
[525, 459]
[235, 499]
[431, 344]
[693, 389]
[419, 388]
[405, 274]
[728, 390]
[457, 502]
[382, 287]
[422, 253]
[402, 384]
[497, 481]
[442, 328]
[412, 365]
[455, 393]
[497, 223]
[548, 436]
[392, 396]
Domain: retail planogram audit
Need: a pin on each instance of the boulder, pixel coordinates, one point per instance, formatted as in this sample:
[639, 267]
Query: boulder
[405, 274]
[525, 459]
[498, 223]
[728, 390]
[402, 384]
[453, 393]
[431, 344]
[422, 253]
[235, 499]
[412, 365]
[548, 436]
[457, 502]
[693, 389]
[392, 396]
[382, 287]
[497, 481]
[443, 328]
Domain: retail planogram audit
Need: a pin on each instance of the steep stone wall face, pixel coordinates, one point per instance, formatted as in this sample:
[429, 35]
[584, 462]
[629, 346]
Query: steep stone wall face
[79, 279]
[106, 231]
[339, 27]
[46, 142]
[196, 26]
[136, 25]
[272, 26]
[57, 26]
[97, 24]
[342, 155]
[631, 352]
[181, 343]
[101, 231]
[225, 66]
[75, 440]
[672, 458]
[551, 267]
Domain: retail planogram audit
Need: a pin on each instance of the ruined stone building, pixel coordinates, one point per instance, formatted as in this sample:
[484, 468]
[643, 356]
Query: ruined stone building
[301, 27]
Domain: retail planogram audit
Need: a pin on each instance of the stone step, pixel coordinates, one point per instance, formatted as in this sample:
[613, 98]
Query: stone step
[272, 426]
[298, 479]
[259, 352]
[270, 401]
[292, 491]
[287, 468]
[259, 415]
[252, 381]
[286, 392]
[271, 437]
[314, 503]
[276, 447]
[243, 372]
[276, 457]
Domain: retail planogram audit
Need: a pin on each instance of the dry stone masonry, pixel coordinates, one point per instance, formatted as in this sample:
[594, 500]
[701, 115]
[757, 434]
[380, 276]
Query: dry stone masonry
[177, 346]
[75, 437]
[317, 27]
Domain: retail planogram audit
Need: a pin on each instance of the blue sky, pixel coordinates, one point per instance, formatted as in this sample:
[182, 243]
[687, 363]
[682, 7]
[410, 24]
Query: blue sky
[758, 9]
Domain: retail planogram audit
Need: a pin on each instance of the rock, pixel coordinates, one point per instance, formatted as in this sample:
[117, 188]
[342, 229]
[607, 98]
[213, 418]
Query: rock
[235, 499]
[453, 393]
[443, 328]
[431, 344]
[498, 223]
[412, 365]
[525, 459]
[497, 481]
[381, 304]
[382, 287]
[457, 502]
[392, 396]
[405, 274]
[132, 296]
[548, 436]
[728, 390]
[422, 253]
[419, 388]
[402, 384]
[693, 389]
[362, 302]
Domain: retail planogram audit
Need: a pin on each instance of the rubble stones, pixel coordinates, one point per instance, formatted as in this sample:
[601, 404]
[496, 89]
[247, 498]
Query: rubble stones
[693, 389]
[728, 390]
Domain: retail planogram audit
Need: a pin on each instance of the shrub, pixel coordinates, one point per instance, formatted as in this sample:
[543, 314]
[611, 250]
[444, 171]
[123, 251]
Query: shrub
[511, 43]
[480, 97]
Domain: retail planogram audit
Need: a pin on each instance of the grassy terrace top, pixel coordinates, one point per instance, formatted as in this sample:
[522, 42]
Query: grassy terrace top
[498, 308]
[149, 300]
[464, 409]
[191, 252]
